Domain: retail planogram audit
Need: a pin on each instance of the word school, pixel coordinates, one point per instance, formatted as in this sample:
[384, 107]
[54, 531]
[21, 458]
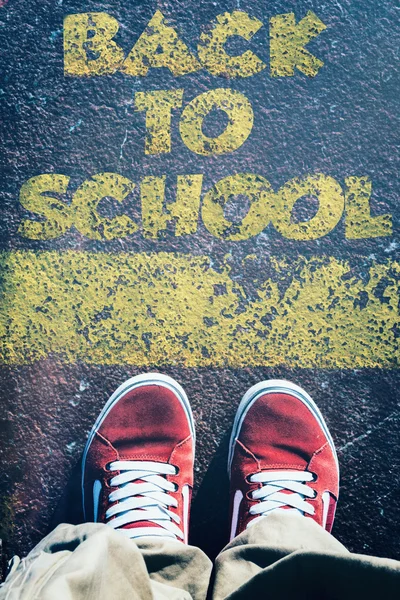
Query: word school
[43, 196]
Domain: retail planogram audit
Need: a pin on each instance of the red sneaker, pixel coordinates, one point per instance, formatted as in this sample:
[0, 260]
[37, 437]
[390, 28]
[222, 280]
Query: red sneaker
[281, 457]
[137, 467]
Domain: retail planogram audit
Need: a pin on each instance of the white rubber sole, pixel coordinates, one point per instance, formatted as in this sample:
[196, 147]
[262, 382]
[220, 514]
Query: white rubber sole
[273, 386]
[128, 386]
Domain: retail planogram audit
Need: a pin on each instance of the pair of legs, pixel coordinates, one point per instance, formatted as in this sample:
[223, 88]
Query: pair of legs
[137, 479]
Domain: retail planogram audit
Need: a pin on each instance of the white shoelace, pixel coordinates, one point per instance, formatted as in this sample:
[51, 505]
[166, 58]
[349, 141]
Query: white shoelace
[271, 495]
[146, 500]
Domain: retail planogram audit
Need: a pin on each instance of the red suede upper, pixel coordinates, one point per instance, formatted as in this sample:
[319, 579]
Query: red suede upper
[279, 432]
[148, 423]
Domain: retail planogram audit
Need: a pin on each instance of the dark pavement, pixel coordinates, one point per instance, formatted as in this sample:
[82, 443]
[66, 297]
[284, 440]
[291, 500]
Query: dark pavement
[82, 309]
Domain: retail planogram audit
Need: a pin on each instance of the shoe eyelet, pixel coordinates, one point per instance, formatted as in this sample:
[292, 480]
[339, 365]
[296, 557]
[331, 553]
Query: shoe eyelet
[176, 488]
[315, 495]
[107, 466]
[315, 476]
[177, 470]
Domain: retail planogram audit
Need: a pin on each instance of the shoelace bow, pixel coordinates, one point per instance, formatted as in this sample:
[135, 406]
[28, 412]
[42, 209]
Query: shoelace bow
[143, 494]
[274, 494]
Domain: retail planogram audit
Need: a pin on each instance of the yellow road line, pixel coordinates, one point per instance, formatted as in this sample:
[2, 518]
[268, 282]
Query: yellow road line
[166, 308]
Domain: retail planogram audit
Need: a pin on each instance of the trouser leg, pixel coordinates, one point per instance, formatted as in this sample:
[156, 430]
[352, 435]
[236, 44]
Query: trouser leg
[94, 562]
[285, 555]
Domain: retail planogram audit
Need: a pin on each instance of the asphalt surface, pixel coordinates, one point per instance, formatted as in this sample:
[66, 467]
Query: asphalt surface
[57, 371]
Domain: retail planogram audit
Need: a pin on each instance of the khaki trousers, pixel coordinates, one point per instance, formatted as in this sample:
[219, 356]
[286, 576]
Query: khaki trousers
[282, 556]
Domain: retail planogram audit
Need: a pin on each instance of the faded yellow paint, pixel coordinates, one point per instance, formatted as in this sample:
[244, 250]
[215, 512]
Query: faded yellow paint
[158, 106]
[160, 46]
[57, 215]
[240, 122]
[330, 207]
[287, 41]
[359, 222]
[86, 200]
[147, 309]
[184, 212]
[261, 196]
[89, 47]
[211, 47]
[39, 195]
[77, 44]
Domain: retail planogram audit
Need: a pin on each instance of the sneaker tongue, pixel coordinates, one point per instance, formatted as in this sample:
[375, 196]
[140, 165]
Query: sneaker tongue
[141, 524]
[291, 509]
[138, 524]
[289, 493]
[287, 506]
